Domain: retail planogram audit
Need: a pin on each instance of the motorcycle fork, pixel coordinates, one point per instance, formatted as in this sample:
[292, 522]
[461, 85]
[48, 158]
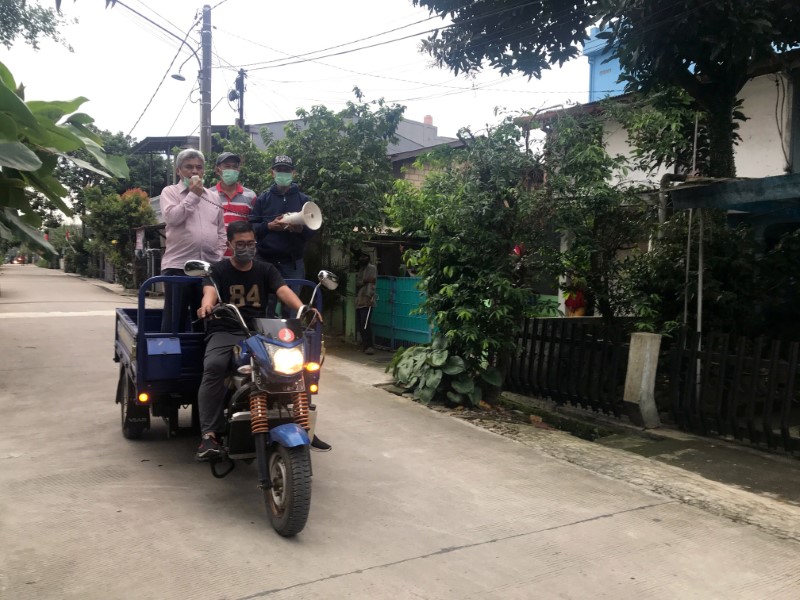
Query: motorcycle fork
[262, 460]
[259, 425]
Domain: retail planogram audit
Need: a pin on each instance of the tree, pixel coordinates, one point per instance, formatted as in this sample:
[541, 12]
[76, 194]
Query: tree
[342, 164]
[112, 219]
[707, 49]
[595, 216]
[147, 172]
[511, 35]
[30, 21]
[33, 136]
[475, 206]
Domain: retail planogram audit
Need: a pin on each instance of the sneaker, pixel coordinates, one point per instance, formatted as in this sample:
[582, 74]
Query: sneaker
[318, 444]
[369, 351]
[209, 448]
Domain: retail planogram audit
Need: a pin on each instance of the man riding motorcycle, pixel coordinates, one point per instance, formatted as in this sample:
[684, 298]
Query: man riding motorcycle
[247, 284]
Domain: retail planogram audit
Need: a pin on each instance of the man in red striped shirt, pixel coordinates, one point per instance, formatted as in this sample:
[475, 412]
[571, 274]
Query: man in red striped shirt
[237, 201]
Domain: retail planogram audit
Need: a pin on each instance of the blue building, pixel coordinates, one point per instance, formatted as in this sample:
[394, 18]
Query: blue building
[603, 70]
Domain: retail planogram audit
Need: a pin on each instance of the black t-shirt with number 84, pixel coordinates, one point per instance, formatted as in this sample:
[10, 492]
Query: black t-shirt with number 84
[247, 290]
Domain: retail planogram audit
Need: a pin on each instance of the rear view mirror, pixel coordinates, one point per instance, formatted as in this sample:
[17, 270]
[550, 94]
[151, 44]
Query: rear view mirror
[197, 268]
[328, 279]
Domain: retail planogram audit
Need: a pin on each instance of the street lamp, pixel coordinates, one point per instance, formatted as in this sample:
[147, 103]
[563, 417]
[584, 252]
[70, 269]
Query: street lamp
[178, 75]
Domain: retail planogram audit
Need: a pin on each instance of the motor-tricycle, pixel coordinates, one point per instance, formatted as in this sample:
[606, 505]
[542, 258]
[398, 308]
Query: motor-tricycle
[269, 416]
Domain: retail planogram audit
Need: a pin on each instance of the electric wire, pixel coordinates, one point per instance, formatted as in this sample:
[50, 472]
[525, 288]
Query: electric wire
[484, 16]
[158, 87]
[180, 112]
[212, 110]
[156, 13]
[270, 64]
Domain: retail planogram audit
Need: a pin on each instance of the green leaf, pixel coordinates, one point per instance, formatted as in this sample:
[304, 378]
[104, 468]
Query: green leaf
[8, 129]
[455, 398]
[17, 155]
[115, 165]
[88, 166]
[13, 197]
[476, 395]
[437, 358]
[80, 119]
[59, 137]
[439, 342]
[432, 378]
[454, 365]
[10, 218]
[463, 384]
[12, 105]
[84, 133]
[424, 395]
[54, 110]
[50, 187]
[404, 371]
[7, 78]
[492, 376]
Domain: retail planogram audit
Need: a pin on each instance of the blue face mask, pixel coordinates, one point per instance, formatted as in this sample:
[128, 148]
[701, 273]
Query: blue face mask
[283, 179]
[187, 181]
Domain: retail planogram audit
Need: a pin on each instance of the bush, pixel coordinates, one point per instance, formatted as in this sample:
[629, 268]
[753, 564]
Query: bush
[434, 373]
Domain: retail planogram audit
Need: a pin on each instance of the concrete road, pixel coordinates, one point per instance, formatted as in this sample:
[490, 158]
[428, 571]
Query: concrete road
[410, 504]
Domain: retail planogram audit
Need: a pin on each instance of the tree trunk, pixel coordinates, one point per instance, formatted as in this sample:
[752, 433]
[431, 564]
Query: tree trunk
[720, 139]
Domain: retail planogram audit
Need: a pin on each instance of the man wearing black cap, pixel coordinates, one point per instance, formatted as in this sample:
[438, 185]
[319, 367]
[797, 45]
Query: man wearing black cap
[279, 243]
[236, 201]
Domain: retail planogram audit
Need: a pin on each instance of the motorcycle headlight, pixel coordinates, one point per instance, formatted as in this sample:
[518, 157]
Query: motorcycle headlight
[286, 361]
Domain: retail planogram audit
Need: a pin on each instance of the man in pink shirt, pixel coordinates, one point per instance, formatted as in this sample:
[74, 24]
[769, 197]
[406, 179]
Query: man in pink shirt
[195, 228]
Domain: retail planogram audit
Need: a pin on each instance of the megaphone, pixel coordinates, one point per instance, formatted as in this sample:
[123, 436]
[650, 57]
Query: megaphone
[310, 216]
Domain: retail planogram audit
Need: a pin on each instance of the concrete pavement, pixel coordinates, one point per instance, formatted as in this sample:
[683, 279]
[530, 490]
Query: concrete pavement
[411, 503]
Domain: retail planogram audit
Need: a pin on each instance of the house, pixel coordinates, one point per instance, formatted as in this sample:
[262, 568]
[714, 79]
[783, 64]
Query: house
[770, 138]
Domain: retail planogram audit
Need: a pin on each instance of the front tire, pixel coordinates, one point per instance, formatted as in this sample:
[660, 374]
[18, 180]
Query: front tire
[289, 499]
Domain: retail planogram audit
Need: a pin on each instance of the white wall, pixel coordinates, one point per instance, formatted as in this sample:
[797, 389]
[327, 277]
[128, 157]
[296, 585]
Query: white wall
[760, 153]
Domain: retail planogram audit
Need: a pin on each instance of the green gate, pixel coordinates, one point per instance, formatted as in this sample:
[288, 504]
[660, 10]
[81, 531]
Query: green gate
[393, 325]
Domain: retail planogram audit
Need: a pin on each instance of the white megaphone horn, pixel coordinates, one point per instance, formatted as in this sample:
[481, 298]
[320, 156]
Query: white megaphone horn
[310, 216]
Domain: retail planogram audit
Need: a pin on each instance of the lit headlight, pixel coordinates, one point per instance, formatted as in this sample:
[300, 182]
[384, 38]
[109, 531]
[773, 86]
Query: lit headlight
[286, 361]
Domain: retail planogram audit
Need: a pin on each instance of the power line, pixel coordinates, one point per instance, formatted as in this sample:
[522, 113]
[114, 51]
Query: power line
[158, 87]
[169, 68]
[212, 110]
[301, 56]
[180, 112]
[156, 13]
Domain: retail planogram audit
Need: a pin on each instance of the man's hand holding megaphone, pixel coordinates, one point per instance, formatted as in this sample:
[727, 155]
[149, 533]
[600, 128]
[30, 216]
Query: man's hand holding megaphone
[278, 224]
[310, 216]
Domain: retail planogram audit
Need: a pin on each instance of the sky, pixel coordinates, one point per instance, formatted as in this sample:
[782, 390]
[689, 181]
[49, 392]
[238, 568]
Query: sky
[119, 60]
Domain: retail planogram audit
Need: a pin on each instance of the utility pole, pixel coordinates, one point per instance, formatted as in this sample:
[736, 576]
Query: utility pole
[205, 83]
[240, 96]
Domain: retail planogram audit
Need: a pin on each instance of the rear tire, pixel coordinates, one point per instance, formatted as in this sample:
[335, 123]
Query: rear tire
[289, 500]
[128, 410]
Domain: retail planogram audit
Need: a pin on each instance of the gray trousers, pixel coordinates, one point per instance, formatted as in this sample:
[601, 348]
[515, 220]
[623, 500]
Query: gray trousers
[217, 364]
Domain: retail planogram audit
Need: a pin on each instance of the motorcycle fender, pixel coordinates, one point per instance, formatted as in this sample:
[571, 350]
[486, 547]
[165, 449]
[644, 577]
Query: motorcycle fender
[289, 435]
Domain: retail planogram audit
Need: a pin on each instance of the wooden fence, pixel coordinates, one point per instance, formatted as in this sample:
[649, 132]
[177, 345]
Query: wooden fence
[578, 361]
[735, 386]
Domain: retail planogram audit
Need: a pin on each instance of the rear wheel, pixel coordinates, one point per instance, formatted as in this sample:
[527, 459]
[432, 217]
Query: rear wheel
[289, 499]
[134, 419]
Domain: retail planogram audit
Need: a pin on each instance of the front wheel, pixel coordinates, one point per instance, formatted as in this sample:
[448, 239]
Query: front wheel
[289, 499]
